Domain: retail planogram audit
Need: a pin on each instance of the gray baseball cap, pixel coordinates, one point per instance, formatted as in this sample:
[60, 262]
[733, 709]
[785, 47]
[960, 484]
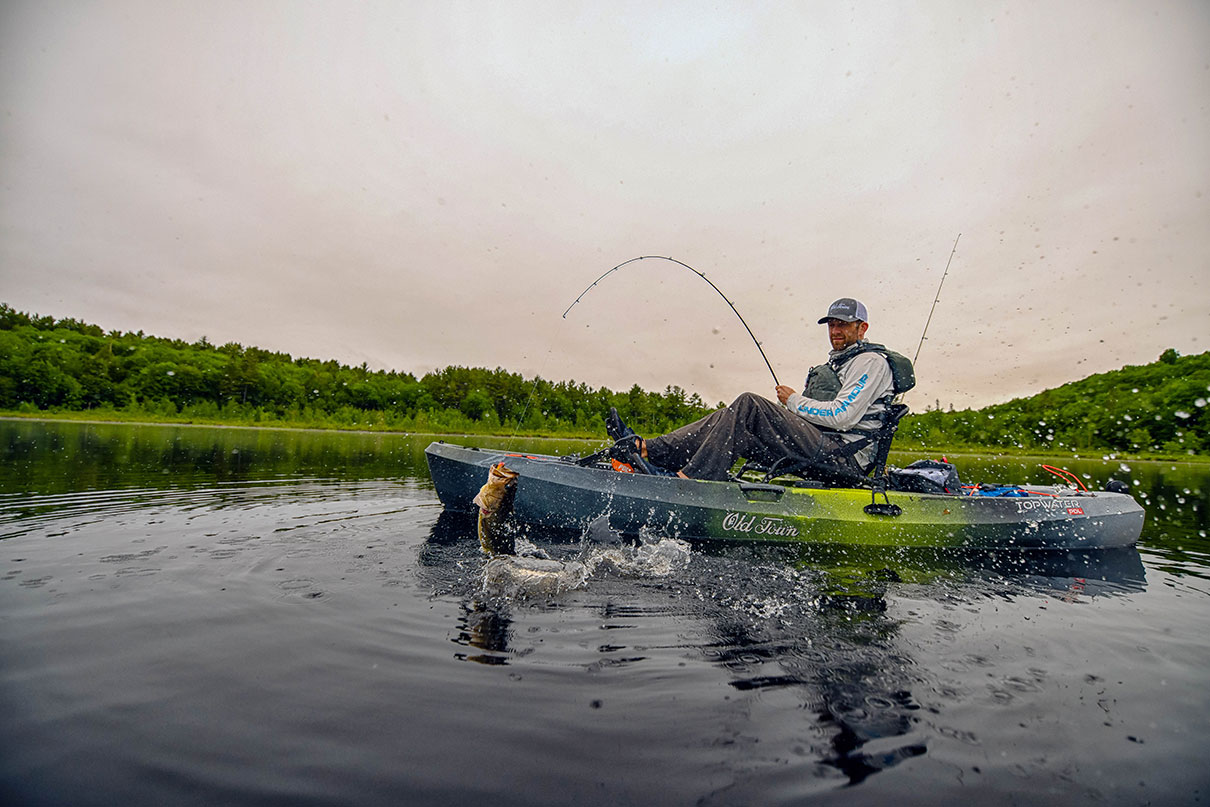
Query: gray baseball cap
[846, 309]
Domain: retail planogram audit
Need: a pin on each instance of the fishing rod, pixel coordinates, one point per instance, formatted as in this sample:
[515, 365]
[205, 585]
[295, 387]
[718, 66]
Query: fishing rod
[936, 297]
[699, 274]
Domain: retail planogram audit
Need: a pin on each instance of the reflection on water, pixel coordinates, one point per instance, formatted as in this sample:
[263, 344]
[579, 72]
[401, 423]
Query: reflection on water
[484, 628]
[61, 457]
[49, 458]
[827, 629]
[838, 654]
[814, 621]
[198, 616]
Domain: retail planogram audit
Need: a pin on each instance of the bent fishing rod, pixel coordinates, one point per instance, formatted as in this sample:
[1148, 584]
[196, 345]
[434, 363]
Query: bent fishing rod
[699, 274]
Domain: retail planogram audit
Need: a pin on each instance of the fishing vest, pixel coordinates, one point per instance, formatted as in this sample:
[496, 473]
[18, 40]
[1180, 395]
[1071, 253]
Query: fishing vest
[823, 382]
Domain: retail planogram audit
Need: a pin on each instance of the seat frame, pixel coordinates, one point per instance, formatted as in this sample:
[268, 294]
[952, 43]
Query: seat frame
[826, 471]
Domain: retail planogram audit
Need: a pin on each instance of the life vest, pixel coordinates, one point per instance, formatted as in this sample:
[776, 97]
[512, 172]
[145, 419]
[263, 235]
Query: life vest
[823, 381]
[823, 384]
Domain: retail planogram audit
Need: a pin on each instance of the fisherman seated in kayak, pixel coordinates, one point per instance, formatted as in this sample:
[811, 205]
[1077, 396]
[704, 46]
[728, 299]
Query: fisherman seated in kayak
[830, 423]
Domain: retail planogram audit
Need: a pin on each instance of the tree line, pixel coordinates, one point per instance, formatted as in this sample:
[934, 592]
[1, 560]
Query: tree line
[1157, 408]
[49, 364]
[67, 365]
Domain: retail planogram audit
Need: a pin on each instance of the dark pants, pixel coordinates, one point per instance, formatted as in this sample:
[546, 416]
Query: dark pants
[752, 427]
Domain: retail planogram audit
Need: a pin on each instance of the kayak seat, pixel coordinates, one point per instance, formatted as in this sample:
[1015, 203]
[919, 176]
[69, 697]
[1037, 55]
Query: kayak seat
[885, 436]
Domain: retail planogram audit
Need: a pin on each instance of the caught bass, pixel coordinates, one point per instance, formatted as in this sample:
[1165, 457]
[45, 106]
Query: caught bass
[495, 502]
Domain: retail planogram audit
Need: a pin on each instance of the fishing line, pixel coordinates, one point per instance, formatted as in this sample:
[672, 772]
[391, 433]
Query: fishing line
[699, 274]
[524, 410]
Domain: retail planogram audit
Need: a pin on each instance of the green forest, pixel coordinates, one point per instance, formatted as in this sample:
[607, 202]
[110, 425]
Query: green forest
[66, 366]
[1153, 409]
[49, 365]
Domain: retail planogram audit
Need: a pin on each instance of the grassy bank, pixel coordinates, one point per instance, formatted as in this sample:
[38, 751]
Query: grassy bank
[967, 449]
[488, 430]
[402, 426]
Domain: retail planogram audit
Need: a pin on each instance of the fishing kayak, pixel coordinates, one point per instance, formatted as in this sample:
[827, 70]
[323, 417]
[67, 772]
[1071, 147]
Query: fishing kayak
[558, 492]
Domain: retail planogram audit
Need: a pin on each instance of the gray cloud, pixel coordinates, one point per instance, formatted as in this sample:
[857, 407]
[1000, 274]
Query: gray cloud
[414, 185]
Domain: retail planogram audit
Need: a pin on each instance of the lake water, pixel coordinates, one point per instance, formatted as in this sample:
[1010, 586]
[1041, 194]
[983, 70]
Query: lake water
[242, 617]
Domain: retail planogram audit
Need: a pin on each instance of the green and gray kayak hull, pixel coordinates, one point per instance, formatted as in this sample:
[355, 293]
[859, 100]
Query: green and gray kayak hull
[557, 493]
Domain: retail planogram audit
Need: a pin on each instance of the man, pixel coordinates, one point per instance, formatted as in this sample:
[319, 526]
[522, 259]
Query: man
[829, 423]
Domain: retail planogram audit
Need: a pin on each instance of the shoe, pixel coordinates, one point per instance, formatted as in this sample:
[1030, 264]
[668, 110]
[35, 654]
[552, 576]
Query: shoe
[626, 447]
[625, 451]
[615, 428]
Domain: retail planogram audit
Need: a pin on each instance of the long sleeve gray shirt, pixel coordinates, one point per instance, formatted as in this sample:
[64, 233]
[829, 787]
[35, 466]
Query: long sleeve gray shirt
[865, 388]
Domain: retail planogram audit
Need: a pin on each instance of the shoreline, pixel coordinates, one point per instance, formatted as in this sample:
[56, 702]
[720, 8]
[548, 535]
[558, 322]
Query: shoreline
[989, 451]
[68, 418]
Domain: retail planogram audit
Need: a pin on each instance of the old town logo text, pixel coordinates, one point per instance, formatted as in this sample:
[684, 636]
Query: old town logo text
[758, 525]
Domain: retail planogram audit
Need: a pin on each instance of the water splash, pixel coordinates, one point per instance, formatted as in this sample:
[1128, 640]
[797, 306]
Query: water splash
[532, 573]
[524, 577]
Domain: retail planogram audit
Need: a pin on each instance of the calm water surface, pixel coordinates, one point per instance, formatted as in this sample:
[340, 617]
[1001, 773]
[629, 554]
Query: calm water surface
[225, 616]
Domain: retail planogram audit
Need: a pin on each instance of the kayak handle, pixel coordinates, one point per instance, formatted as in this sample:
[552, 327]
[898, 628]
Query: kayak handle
[761, 491]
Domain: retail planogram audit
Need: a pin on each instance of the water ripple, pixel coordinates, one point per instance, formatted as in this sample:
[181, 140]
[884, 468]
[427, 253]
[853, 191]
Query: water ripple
[21, 514]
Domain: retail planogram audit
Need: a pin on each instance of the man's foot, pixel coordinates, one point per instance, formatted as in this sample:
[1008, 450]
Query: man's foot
[619, 431]
[626, 450]
[628, 447]
[615, 428]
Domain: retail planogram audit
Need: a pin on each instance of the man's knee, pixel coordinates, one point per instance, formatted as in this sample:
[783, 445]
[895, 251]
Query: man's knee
[748, 401]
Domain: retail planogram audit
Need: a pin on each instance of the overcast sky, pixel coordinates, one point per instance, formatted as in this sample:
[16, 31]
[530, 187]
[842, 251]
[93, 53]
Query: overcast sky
[419, 184]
